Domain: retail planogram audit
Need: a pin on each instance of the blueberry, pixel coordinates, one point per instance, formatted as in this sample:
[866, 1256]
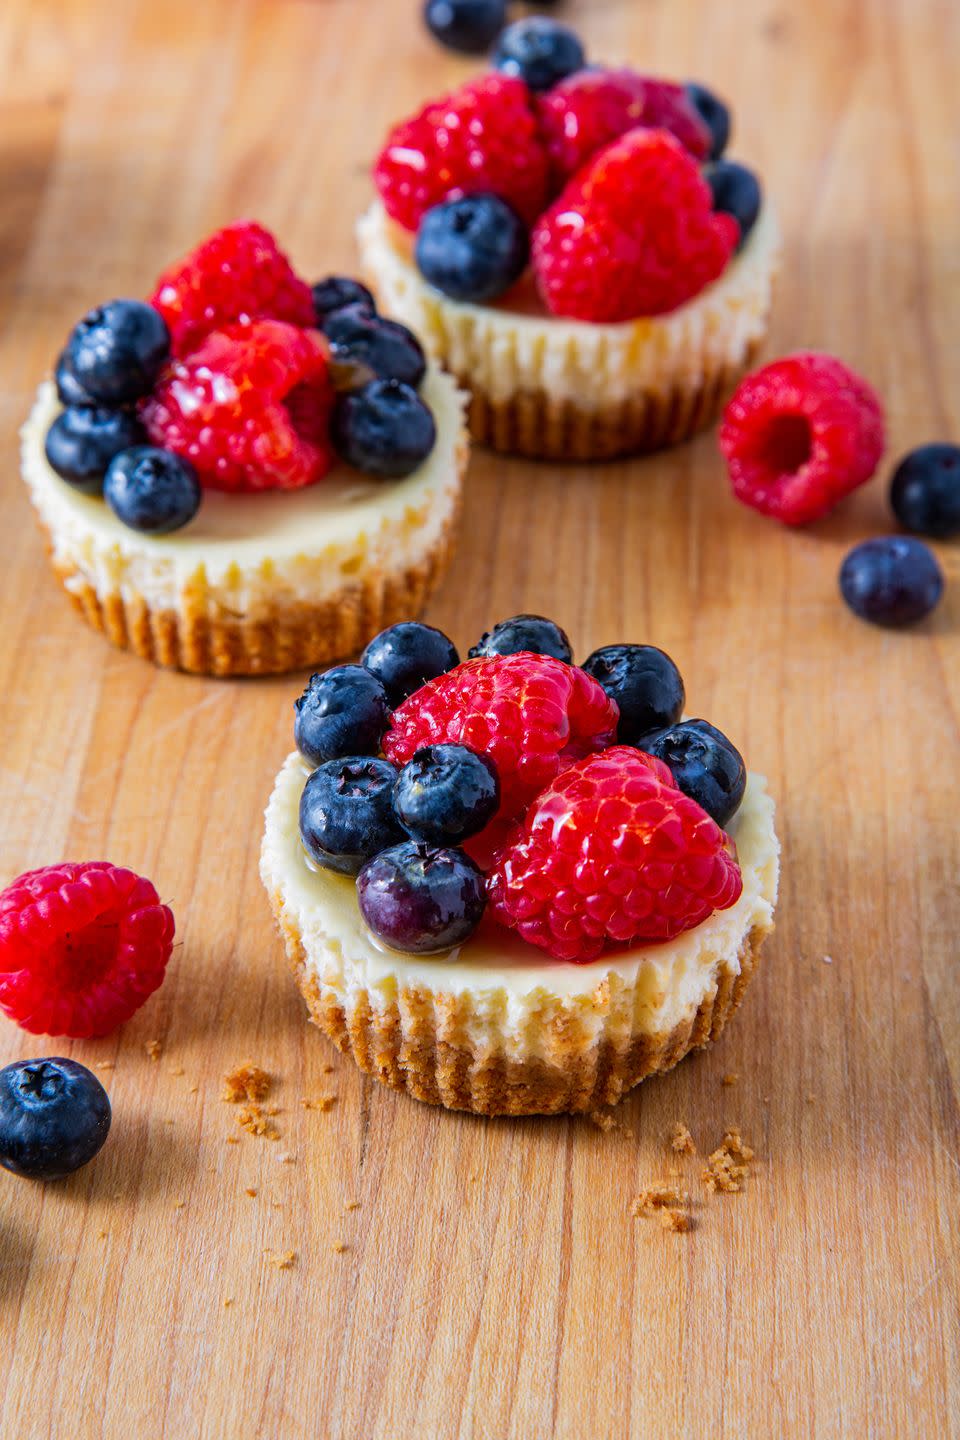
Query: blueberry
[705, 765]
[645, 684]
[472, 249]
[421, 900]
[346, 812]
[467, 25]
[386, 347]
[446, 793]
[714, 114]
[925, 491]
[117, 350]
[539, 51]
[338, 291]
[893, 580]
[736, 191]
[69, 389]
[525, 632]
[406, 656]
[83, 440]
[152, 490]
[383, 428]
[343, 711]
[54, 1117]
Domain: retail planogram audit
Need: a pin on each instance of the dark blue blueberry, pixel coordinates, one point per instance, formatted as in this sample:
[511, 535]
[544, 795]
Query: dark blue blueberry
[540, 51]
[705, 765]
[714, 114]
[54, 1117]
[117, 350]
[83, 440]
[383, 429]
[736, 191]
[420, 900]
[925, 491]
[152, 490]
[645, 684]
[525, 632]
[893, 580]
[406, 656]
[346, 812]
[338, 291]
[467, 25]
[386, 347]
[472, 249]
[446, 793]
[343, 711]
[69, 389]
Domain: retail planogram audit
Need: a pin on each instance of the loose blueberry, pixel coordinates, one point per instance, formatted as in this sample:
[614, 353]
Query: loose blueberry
[117, 350]
[446, 793]
[893, 580]
[645, 684]
[383, 429]
[69, 389]
[467, 25]
[54, 1117]
[539, 51]
[925, 491]
[83, 440]
[406, 656]
[705, 765]
[346, 812]
[714, 114]
[533, 633]
[151, 490]
[386, 347]
[736, 191]
[338, 291]
[420, 900]
[472, 249]
[343, 711]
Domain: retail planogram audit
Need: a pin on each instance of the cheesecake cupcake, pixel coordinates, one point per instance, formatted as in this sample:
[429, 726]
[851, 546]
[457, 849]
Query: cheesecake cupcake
[228, 489]
[515, 885]
[571, 244]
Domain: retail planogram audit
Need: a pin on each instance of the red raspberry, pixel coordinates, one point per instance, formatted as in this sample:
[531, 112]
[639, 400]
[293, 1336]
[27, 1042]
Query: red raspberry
[250, 408]
[483, 137]
[81, 948]
[632, 234]
[240, 273]
[530, 713]
[612, 851]
[799, 435]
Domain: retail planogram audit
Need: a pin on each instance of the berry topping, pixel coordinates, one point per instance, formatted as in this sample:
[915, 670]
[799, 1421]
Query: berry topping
[704, 765]
[481, 139]
[81, 948]
[152, 490]
[925, 491]
[611, 851]
[538, 51]
[239, 273]
[386, 347]
[644, 682]
[83, 440]
[69, 389]
[383, 429]
[117, 351]
[54, 1117]
[420, 900]
[346, 812]
[533, 633]
[406, 656]
[894, 580]
[446, 793]
[467, 25]
[473, 248]
[249, 409]
[714, 114]
[736, 191]
[336, 292]
[799, 435]
[343, 711]
[634, 233]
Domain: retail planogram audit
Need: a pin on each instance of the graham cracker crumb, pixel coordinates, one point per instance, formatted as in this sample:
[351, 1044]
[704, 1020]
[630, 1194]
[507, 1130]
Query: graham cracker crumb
[246, 1082]
[339, 1248]
[233, 1139]
[179, 1204]
[176, 1070]
[251, 1191]
[658, 1197]
[327, 1069]
[288, 1159]
[106, 1065]
[681, 1140]
[253, 1119]
[677, 1220]
[730, 1079]
[154, 1049]
[194, 1089]
[321, 1102]
[729, 1165]
[283, 1261]
[608, 1122]
[102, 1234]
[352, 1205]
[227, 1303]
[169, 1120]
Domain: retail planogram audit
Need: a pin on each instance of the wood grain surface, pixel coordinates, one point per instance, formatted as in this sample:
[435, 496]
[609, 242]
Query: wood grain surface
[493, 1282]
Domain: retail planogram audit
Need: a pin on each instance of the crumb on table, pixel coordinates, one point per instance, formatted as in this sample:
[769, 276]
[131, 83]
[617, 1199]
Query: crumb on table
[352, 1205]
[154, 1049]
[254, 1119]
[283, 1261]
[670, 1203]
[681, 1140]
[607, 1122]
[730, 1078]
[676, 1220]
[175, 1070]
[319, 1102]
[251, 1191]
[246, 1082]
[729, 1165]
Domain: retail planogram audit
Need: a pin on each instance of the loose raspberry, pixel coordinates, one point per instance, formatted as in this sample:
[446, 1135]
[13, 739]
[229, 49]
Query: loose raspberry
[250, 409]
[632, 234]
[799, 435]
[483, 137]
[81, 948]
[239, 273]
[612, 852]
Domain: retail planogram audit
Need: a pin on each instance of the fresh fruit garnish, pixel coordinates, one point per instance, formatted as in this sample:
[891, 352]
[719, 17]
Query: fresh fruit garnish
[704, 765]
[116, 352]
[82, 946]
[446, 793]
[389, 349]
[335, 293]
[645, 684]
[538, 51]
[893, 580]
[612, 852]
[151, 490]
[799, 435]
[83, 439]
[383, 429]
[343, 712]
[54, 1117]
[925, 491]
[714, 114]
[69, 389]
[533, 633]
[736, 191]
[467, 25]
[421, 900]
[346, 812]
[405, 656]
[472, 249]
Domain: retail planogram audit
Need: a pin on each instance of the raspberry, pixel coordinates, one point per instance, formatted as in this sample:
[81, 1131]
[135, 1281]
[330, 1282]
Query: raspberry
[239, 273]
[612, 852]
[250, 408]
[632, 234]
[81, 948]
[531, 714]
[799, 435]
[483, 137]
